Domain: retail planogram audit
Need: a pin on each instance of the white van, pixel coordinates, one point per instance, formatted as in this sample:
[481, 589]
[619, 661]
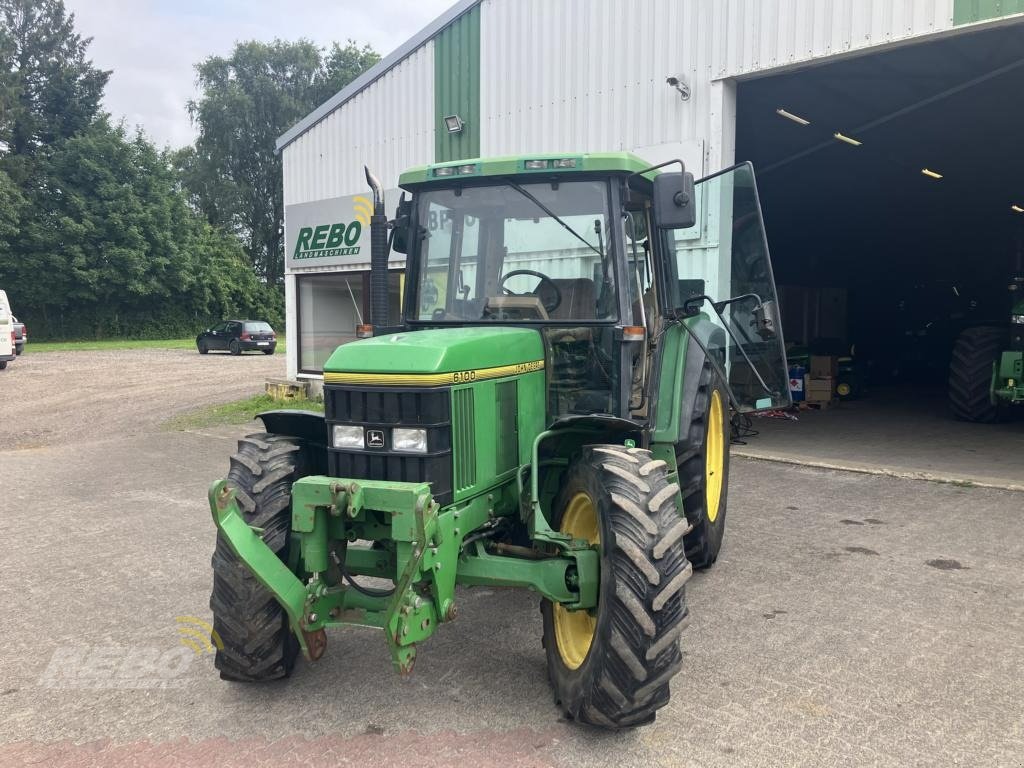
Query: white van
[6, 336]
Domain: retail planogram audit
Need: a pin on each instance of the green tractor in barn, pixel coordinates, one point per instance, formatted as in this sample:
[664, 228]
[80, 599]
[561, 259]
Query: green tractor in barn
[986, 372]
[553, 414]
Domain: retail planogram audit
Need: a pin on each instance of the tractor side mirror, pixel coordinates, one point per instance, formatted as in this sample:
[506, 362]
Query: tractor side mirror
[766, 320]
[675, 205]
[400, 236]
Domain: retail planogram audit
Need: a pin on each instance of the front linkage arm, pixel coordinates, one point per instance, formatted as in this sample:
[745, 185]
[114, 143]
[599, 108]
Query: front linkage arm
[423, 556]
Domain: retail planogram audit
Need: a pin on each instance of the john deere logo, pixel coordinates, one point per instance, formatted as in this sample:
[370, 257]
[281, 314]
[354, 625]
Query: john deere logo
[374, 438]
[339, 239]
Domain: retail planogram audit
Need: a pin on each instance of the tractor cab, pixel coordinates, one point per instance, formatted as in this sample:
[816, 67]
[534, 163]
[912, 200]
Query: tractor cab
[601, 255]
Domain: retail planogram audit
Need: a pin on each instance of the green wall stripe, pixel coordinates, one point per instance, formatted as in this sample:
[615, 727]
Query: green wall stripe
[969, 11]
[457, 87]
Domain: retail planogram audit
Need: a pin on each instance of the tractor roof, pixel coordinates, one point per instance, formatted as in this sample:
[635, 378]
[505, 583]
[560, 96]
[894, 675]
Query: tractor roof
[524, 165]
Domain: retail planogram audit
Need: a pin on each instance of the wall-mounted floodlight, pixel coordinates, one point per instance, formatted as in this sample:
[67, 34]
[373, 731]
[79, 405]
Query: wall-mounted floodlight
[846, 140]
[790, 116]
[931, 174]
[454, 123]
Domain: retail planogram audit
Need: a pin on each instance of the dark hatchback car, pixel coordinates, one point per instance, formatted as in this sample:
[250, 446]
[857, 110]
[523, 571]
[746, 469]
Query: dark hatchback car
[238, 336]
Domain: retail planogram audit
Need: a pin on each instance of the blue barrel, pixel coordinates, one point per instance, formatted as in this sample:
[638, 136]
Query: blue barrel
[796, 382]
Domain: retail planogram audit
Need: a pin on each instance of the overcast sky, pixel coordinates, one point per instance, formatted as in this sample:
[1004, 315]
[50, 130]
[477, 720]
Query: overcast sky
[152, 45]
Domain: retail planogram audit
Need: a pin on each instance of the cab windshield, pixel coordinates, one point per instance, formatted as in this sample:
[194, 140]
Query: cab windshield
[515, 252]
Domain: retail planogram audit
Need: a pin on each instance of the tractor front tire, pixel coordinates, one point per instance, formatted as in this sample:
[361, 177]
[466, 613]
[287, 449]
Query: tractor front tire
[703, 467]
[611, 666]
[970, 373]
[254, 641]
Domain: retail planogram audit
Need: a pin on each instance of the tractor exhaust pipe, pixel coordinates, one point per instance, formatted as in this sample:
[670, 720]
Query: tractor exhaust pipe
[378, 256]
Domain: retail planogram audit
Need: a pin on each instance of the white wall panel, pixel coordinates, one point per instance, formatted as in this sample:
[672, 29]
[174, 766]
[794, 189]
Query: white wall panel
[589, 75]
[389, 126]
[755, 35]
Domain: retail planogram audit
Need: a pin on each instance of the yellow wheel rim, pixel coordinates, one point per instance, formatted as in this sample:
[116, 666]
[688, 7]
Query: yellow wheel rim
[714, 456]
[574, 630]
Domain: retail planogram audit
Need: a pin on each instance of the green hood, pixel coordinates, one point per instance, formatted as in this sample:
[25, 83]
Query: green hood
[441, 350]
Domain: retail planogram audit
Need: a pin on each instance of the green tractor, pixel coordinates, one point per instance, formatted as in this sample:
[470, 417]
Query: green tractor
[986, 372]
[552, 414]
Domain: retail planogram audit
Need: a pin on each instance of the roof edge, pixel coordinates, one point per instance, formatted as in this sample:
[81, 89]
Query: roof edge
[375, 72]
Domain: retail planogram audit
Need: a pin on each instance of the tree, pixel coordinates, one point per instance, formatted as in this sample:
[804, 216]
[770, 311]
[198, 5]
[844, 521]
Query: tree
[11, 206]
[249, 99]
[112, 248]
[48, 88]
[343, 65]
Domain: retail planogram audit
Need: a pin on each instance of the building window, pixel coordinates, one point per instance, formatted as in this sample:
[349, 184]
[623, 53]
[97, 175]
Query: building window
[330, 306]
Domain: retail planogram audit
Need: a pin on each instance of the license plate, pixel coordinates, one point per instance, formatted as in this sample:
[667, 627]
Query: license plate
[262, 343]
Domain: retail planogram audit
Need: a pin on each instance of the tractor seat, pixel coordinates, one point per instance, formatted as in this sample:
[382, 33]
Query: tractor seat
[579, 298]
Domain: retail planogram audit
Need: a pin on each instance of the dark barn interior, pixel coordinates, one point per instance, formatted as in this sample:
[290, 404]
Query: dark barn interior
[870, 251]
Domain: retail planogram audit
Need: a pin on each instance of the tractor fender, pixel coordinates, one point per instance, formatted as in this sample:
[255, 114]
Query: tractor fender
[305, 425]
[308, 426]
[598, 422]
[713, 338]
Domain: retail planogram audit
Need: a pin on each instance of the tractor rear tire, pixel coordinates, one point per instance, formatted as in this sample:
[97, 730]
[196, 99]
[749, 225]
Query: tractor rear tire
[970, 373]
[703, 466]
[255, 640]
[611, 666]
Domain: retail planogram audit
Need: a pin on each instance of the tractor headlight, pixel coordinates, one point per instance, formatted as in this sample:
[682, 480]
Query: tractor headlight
[348, 437]
[1017, 319]
[409, 440]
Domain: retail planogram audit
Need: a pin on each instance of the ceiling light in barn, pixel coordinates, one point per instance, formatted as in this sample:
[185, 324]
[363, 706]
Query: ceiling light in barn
[846, 140]
[1016, 209]
[931, 174]
[790, 116]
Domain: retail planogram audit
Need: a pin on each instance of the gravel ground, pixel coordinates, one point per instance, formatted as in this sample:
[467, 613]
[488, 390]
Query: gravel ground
[851, 620]
[55, 396]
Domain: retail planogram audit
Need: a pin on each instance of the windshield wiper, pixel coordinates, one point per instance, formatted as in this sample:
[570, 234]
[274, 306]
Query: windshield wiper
[555, 216]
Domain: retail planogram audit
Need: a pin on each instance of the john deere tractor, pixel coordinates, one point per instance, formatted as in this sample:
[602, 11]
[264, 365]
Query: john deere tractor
[986, 372]
[551, 414]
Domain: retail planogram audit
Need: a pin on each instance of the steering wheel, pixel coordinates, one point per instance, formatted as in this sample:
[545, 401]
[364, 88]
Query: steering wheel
[548, 307]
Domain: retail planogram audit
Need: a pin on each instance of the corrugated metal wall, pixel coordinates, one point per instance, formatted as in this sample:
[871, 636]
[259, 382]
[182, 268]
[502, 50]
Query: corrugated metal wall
[590, 74]
[457, 87]
[389, 126]
[753, 35]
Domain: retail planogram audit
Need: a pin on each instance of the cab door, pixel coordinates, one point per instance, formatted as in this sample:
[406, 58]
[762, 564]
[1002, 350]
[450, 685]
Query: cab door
[719, 282]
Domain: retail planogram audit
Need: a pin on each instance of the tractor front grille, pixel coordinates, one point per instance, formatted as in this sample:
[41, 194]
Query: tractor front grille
[378, 410]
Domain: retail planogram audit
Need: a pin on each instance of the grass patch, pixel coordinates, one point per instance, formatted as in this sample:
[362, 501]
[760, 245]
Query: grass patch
[33, 347]
[238, 412]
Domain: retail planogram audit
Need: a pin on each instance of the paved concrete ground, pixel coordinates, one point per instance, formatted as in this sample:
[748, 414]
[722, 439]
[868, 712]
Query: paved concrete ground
[851, 620]
[904, 432]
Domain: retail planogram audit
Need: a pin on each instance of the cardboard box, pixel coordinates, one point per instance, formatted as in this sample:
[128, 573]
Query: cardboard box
[824, 366]
[819, 390]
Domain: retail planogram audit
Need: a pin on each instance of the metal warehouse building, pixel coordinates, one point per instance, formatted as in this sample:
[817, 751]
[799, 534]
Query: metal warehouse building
[886, 135]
